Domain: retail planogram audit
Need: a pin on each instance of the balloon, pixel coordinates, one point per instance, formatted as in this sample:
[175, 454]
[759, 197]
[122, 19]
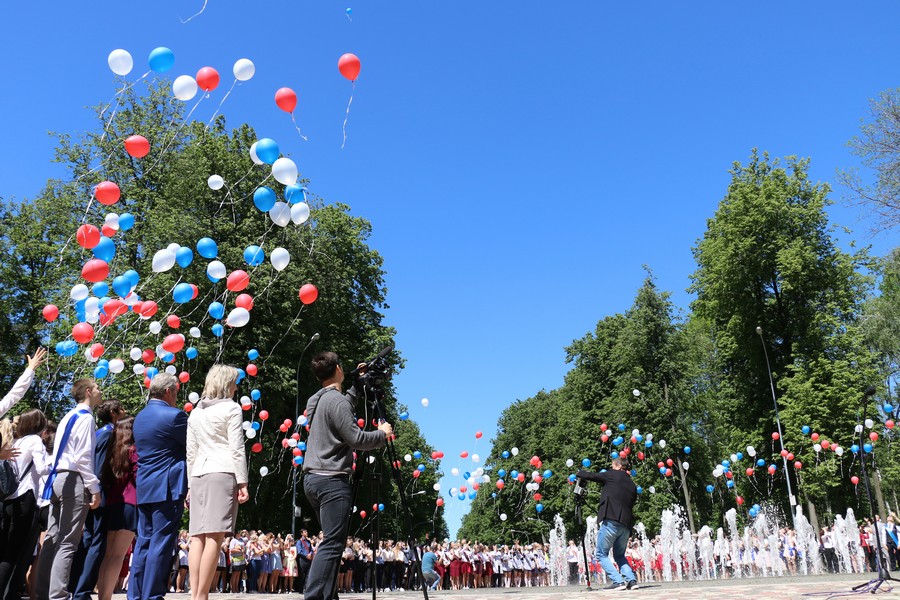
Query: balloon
[182, 293]
[207, 248]
[163, 260]
[309, 293]
[662, 443]
[253, 156]
[95, 270]
[889, 423]
[253, 353]
[243, 69]
[208, 79]
[115, 308]
[244, 301]
[349, 66]
[254, 255]
[184, 87]
[284, 170]
[120, 62]
[173, 321]
[873, 435]
[867, 448]
[121, 286]
[161, 60]
[215, 271]
[184, 256]
[514, 451]
[425, 404]
[155, 327]
[237, 281]
[687, 449]
[854, 480]
[252, 369]
[87, 236]
[50, 312]
[173, 343]
[286, 99]
[300, 213]
[267, 151]
[869, 423]
[105, 249]
[137, 146]
[217, 330]
[264, 198]
[191, 353]
[107, 193]
[82, 333]
[586, 463]
[280, 258]
[238, 317]
[148, 309]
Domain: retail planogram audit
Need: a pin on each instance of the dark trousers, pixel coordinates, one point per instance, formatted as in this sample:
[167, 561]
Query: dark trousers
[302, 573]
[86, 566]
[253, 569]
[331, 498]
[153, 549]
[18, 537]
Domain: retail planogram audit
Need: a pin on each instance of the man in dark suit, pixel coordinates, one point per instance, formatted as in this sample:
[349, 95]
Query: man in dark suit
[160, 439]
[86, 566]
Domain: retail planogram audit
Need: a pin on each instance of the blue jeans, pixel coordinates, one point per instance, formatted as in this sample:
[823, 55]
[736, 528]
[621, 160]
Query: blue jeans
[614, 536]
[331, 498]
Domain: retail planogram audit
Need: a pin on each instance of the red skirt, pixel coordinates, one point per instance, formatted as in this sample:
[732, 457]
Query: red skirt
[488, 569]
[454, 567]
[465, 568]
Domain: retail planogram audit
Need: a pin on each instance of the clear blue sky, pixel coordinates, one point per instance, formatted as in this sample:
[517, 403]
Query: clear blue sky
[519, 161]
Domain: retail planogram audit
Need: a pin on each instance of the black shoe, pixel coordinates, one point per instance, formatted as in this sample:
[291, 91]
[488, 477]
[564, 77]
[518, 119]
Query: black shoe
[632, 585]
[616, 586]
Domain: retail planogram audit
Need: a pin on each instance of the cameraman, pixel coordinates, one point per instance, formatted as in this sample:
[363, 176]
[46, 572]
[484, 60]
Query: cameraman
[333, 435]
[615, 518]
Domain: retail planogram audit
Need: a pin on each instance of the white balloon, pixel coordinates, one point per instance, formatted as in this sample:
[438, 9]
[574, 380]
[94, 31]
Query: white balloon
[858, 429]
[817, 447]
[869, 423]
[120, 62]
[245, 425]
[216, 270]
[155, 328]
[184, 88]
[264, 470]
[112, 221]
[251, 433]
[245, 400]
[238, 317]
[193, 396]
[284, 170]
[90, 357]
[280, 214]
[569, 462]
[479, 472]
[302, 420]
[215, 182]
[92, 305]
[171, 370]
[751, 451]
[195, 332]
[470, 480]
[135, 354]
[635, 432]
[652, 489]
[454, 471]
[717, 472]
[159, 349]
[79, 292]
[407, 457]
[476, 458]
[425, 402]
[371, 459]
[662, 443]
[502, 516]
[486, 478]
[452, 491]
[92, 317]
[300, 213]
[253, 155]
[685, 466]
[116, 365]
[138, 369]
[839, 451]
[173, 247]
[292, 445]
[163, 261]
[244, 69]
[436, 487]
[649, 437]
[280, 258]
[733, 458]
[515, 451]
[636, 393]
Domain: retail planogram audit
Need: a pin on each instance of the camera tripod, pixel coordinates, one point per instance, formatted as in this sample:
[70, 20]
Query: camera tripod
[582, 526]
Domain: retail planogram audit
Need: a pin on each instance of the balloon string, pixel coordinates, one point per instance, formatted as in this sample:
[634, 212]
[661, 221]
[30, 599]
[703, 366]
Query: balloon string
[297, 127]
[347, 116]
[196, 15]
[286, 332]
[175, 135]
[220, 105]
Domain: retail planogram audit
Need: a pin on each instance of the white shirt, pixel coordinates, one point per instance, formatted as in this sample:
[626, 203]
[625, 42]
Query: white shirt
[215, 440]
[17, 392]
[31, 448]
[78, 455]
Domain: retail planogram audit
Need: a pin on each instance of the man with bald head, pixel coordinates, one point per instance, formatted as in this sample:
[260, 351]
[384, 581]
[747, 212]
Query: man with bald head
[160, 439]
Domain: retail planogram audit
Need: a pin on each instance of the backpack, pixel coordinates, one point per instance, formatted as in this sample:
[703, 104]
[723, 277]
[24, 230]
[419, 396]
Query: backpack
[9, 478]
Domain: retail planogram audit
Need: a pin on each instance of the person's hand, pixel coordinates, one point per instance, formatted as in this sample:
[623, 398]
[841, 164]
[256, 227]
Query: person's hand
[243, 495]
[95, 500]
[361, 368]
[187, 501]
[9, 453]
[40, 356]
[387, 429]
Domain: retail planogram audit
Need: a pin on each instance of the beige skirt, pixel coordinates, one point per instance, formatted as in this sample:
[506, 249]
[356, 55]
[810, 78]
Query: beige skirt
[214, 505]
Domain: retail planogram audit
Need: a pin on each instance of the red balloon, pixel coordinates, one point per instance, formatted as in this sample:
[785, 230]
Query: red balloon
[283, 428]
[286, 99]
[263, 415]
[361, 423]
[537, 497]
[640, 455]
[97, 350]
[798, 465]
[115, 308]
[87, 236]
[826, 444]
[288, 422]
[308, 293]
[521, 477]
[739, 500]
[244, 301]
[173, 321]
[374, 508]
[873, 435]
[814, 437]
[184, 377]
[668, 472]
[195, 291]
[463, 489]
[107, 193]
[784, 453]
[252, 370]
[749, 472]
[439, 501]
[146, 382]
[349, 66]
[478, 435]
[207, 79]
[604, 427]
[775, 435]
[173, 343]
[500, 484]
[296, 436]
[889, 423]
[297, 452]
[416, 474]
[148, 308]
[604, 438]
[660, 465]
[237, 281]
[854, 480]
[475, 486]
[538, 478]
[108, 231]
[82, 333]
[362, 514]
[50, 312]
[464, 454]
[669, 462]
[137, 146]
[188, 407]
[434, 455]
[148, 356]
[257, 447]
[772, 469]
[729, 475]
[95, 270]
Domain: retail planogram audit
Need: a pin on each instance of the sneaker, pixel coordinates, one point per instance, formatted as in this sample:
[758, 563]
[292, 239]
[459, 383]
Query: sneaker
[632, 585]
[616, 586]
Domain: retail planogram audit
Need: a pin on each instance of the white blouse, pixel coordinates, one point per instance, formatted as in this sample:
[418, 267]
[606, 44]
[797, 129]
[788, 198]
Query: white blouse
[215, 440]
[31, 452]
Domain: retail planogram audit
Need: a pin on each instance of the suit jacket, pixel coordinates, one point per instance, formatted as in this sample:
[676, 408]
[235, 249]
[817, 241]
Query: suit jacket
[160, 439]
[103, 436]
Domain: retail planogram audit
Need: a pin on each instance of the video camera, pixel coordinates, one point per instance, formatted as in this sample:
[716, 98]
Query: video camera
[376, 371]
[580, 490]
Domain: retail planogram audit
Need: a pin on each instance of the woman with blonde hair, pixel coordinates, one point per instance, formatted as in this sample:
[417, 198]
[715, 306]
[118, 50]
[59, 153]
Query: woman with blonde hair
[217, 474]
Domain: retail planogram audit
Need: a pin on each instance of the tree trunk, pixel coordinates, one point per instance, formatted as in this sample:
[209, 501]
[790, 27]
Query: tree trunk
[681, 473]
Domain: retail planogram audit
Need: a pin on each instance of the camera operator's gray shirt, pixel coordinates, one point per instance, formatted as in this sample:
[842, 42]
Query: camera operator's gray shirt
[334, 433]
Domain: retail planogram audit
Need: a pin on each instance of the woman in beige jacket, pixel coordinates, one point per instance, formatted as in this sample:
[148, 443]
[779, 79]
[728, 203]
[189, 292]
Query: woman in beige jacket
[217, 474]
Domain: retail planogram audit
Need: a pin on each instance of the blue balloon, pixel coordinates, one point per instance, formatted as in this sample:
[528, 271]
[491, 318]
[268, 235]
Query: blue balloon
[255, 426]
[67, 348]
[122, 286]
[161, 59]
[505, 454]
[381, 507]
[151, 372]
[648, 444]
[493, 494]
[740, 455]
[805, 429]
[207, 248]
[854, 448]
[132, 276]
[264, 198]
[466, 475]
[421, 468]
[101, 371]
[100, 289]
[254, 256]
[461, 496]
[126, 221]
[603, 470]
[888, 408]
[501, 473]
[241, 374]
[191, 352]
[105, 250]
[548, 473]
[253, 354]
[513, 474]
[760, 463]
[725, 463]
[183, 292]
[167, 357]
[417, 454]
[662, 470]
[539, 507]
[619, 441]
[867, 447]
[404, 416]
[621, 426]
[710, 489]
[218, 330]
[255, 394]
[586, 463]
[267, 151]
[639, 438]
[614, 454]
[298, 460]
[572, 478]
[687, 449]
[754, 512]
[640, 490]
[729, 483]
[302, 446]
[216, 310]
[294, 194]
[349, 11]
[184, 256]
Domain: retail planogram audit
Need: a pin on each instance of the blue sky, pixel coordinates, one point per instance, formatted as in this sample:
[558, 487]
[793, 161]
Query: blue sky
[520, 162]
